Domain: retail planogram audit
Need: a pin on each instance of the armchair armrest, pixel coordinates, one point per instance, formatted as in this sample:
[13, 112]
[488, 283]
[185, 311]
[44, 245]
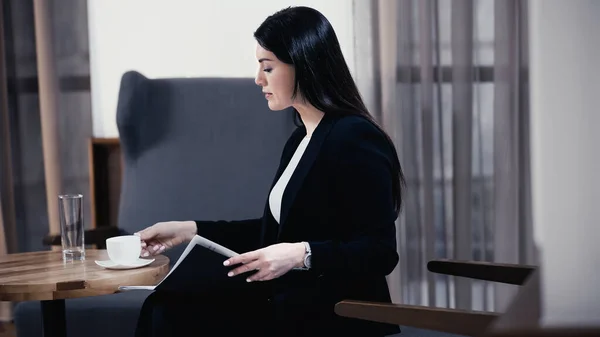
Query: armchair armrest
[96, 236]
[461, 322]
[495, 272]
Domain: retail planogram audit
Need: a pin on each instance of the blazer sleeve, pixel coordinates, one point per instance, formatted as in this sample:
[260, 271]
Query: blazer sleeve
[361, 177]
[240, 235]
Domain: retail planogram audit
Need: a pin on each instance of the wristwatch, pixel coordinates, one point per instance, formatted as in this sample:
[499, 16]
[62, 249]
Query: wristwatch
[307, 256]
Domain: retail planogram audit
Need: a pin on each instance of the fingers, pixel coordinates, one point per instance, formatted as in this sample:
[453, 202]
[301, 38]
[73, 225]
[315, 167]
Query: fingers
[243, 258]
[263, 274]
[250, 261]
[152, 248]
[255, 265]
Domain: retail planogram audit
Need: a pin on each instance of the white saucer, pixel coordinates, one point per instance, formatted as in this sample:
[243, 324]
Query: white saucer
[108, 264]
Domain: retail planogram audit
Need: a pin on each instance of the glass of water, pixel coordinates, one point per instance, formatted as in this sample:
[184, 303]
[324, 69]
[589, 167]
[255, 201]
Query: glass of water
[71, 226]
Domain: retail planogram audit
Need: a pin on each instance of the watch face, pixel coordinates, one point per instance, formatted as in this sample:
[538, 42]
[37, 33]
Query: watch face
[308, 261]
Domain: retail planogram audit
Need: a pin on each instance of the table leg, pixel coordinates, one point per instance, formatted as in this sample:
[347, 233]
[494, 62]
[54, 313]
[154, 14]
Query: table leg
[54, 319]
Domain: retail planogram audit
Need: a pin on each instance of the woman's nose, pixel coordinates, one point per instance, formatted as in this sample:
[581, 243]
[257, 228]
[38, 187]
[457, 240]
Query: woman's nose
[259, 80]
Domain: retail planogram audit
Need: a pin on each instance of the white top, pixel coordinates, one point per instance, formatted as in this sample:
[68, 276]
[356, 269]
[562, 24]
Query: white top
[277, 192]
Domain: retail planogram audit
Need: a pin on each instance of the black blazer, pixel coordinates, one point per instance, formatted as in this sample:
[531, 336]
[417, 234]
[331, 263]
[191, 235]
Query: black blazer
[339, 199]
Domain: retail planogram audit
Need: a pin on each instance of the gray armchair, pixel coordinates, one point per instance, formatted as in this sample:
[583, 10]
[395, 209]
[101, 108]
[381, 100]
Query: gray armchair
[193, 148]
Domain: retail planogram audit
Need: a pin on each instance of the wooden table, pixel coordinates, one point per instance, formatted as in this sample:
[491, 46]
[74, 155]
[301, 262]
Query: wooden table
[45, 277]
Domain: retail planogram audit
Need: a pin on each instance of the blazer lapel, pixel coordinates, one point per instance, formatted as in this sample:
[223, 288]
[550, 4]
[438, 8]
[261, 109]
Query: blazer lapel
[304, 165]
[287, 156]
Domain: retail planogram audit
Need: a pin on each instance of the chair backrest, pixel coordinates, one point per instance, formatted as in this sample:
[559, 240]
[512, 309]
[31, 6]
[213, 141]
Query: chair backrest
[196, 149]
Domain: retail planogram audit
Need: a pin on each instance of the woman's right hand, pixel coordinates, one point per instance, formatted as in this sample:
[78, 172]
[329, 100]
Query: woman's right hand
[165, 235]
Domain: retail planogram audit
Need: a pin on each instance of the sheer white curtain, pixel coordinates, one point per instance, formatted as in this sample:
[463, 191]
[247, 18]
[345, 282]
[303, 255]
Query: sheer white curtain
[448, 81]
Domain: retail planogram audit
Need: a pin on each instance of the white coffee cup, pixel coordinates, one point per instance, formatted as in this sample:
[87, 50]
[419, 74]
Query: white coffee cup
[125, 249]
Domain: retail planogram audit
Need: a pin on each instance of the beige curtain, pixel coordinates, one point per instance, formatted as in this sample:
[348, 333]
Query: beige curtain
[448, 80]
[49, 96]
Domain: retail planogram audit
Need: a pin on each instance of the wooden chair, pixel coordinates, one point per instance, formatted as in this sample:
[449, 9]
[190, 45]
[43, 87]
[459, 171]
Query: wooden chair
[522, 317]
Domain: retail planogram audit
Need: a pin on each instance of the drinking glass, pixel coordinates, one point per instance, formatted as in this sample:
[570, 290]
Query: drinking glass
[71, 226]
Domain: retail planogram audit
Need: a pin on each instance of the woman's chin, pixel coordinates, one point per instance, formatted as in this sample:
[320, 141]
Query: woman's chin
[276, 107]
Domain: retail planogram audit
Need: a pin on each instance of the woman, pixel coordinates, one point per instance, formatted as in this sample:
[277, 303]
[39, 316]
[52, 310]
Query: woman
[327, 233]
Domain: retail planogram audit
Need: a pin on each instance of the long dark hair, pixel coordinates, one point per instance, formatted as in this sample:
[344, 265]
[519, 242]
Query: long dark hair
[304, 38]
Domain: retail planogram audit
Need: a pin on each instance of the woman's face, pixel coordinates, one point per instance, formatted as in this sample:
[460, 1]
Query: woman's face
[276, 79]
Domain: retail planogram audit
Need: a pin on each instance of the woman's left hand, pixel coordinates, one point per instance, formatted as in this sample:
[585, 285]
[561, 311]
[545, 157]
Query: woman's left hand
[269, 262]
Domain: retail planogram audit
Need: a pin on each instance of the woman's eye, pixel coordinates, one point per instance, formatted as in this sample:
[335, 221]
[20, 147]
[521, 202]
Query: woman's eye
[268, 70]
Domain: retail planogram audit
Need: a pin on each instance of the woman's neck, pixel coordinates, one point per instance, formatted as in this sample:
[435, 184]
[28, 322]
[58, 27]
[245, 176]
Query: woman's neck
[310, 116]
